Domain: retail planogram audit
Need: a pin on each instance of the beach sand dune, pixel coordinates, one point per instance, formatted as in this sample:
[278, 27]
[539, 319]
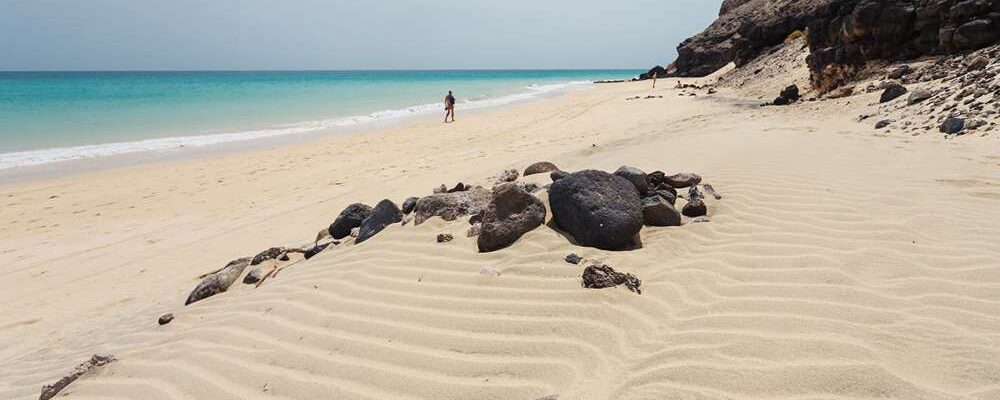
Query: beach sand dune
[838, 265]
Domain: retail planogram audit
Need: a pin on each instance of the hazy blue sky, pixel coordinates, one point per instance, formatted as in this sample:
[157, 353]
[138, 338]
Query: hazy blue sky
[339, 34]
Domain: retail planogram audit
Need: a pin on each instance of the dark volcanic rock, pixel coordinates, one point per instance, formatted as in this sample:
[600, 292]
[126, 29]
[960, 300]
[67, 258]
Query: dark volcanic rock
[597, 208]
[165, 319]
[269, 254]
[316, 250]
[695, 206]
[573, 258]
[444, 238]
[540, 168]
[603, 276]
[409, 204]
[386, 213]
[350, 218]
[787, 96]
[681, 181]
[254, 276]
[843, 35]
[636, 176]
[883, 123]
[459, 187]
[450, 206]
[891, 92]
[657, 211]
[512, 213]
[952, 125]
[219, 281]
[557, 175]
[900, 72]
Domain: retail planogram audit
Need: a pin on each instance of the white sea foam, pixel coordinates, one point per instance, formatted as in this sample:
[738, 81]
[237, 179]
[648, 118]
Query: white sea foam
[46, 156]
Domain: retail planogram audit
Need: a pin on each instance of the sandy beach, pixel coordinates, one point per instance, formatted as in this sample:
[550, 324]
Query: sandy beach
[841, 263]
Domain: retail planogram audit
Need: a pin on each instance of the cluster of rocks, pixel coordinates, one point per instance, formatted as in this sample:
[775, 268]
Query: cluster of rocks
[843, 35]
[594, 208]
[953, 95]
[607, 211]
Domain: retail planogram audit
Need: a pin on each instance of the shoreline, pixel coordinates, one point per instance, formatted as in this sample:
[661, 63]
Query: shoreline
[21, 165]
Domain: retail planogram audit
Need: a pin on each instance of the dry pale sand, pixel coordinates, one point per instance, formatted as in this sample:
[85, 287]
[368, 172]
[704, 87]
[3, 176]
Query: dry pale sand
[839, 265]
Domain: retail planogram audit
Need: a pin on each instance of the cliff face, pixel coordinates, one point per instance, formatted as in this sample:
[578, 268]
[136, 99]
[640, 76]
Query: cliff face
[842, 34]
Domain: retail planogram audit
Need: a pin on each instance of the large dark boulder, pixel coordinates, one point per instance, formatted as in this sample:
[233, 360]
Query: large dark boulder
[512, 213]
[450, 206]
[350, 218]
[386, 213]
[597, 208]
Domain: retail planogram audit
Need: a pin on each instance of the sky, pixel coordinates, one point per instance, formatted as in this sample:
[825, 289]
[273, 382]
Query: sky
[340, 34]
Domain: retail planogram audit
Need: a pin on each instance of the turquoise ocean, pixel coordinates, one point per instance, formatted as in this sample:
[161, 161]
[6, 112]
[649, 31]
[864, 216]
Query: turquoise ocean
[48, 117]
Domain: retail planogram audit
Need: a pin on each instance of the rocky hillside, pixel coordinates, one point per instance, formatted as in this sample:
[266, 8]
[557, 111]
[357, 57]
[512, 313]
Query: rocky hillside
[843, 35]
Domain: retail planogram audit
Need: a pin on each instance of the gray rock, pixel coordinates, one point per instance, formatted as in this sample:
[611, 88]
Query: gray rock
[511, 213]
[350, 218]
[573, 258]
[386, 213]
[409, 204]
[656, 211]
[700, 220]
[711, 190]
[97, 360]
[884, 123]
[451, 206]
[254, 276]
[219, 281]
[509, 175]
[445, 237]
[891, 92]
[918, 95]
[440, 189]
[540, 168]
[165, 319]
[900, 72]
[636, 176]
[597, 209]
[978, 63]
[952, 125]
[682, 180]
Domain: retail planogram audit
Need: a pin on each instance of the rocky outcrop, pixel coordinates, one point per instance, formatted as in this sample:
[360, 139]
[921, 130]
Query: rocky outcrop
[385, 213]
[97, 360]
[843, 35]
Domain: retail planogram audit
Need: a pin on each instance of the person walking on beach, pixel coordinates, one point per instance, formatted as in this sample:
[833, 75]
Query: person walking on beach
[654, 79]
[449, 107]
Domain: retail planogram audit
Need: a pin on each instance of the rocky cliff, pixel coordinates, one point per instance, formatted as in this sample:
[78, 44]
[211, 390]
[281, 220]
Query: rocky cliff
[843, 35]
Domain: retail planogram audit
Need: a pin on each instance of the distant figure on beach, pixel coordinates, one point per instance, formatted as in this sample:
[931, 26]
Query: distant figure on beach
[654, 79]
[449, 107]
